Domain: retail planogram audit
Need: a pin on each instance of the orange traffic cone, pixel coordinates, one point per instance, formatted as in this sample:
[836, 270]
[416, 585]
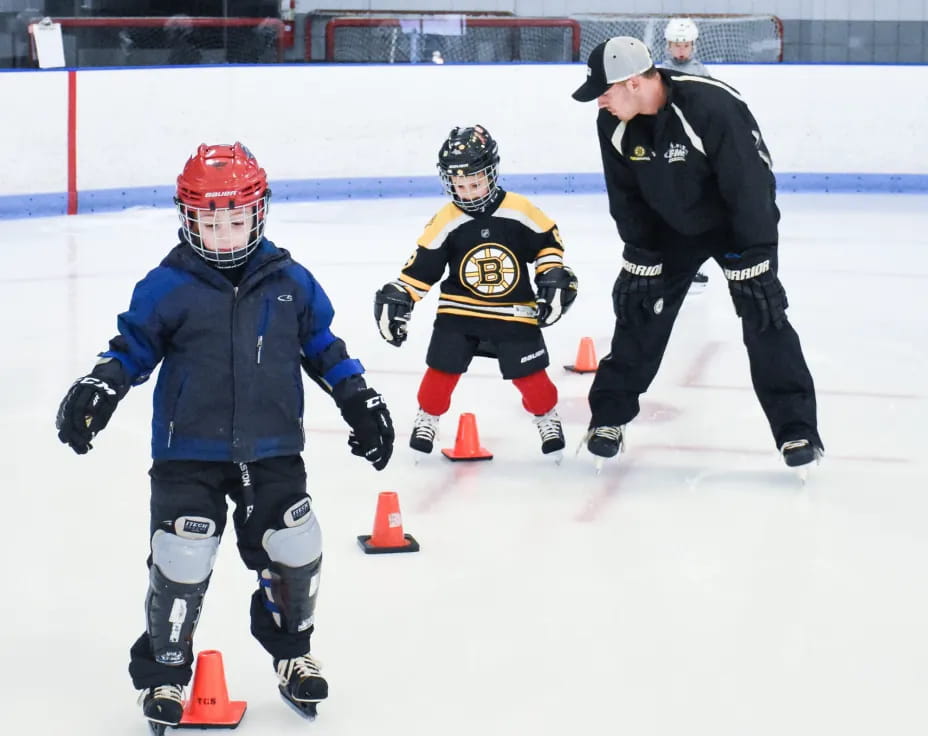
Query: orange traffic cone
[467, 444]
[388, 529]
[209, 703]
[586, 358]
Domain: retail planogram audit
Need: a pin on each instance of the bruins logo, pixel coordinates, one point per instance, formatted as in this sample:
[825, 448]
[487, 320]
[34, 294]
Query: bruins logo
[490, 269]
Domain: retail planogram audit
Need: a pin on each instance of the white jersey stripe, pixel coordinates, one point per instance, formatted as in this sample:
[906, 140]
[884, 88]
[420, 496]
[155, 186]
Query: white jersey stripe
[707, 80]
[617, 136]
[688, 129]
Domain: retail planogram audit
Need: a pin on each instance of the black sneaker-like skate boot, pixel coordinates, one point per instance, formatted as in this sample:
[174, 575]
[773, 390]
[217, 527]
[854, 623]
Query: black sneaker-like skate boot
[424, 429]
[301, 684]
[605, 441]
[550, 431]
[797, 453]
[163, 705]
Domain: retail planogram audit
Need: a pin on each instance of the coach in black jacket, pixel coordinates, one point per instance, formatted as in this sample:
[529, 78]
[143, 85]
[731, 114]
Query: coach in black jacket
[689, 178]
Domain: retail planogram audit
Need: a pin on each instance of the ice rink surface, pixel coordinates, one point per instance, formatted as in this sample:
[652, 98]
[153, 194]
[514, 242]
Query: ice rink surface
[694, 587]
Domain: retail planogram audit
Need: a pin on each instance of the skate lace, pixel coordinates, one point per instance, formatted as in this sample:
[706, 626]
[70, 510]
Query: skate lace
[426, 426]
[793, 445]
[304, 666]
[164, 692]
[609, 433]
[549, 426]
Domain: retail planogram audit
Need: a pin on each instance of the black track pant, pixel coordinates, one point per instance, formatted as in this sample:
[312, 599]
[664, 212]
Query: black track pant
[197, 488]
[779, 373]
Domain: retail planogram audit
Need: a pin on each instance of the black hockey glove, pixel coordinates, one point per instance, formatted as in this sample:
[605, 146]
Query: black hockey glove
[87, 407]
[638, 292]
[755, 288]
[557, 289]
[392, 312]
[372, 433]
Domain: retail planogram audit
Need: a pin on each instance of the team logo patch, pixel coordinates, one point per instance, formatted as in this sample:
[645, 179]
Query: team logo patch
[485, 233]
[490, 269]
[676, 153]
[640, 153]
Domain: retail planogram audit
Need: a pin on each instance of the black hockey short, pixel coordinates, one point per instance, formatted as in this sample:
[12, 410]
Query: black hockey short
[261, 491]
[452, 352]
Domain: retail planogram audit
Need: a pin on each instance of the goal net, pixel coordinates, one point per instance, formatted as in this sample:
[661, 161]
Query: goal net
[451, 38]
[722, 38]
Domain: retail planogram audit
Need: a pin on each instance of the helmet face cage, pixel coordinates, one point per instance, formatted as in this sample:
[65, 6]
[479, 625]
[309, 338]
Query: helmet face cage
[222, 202]
[469, 152]
[224, 236]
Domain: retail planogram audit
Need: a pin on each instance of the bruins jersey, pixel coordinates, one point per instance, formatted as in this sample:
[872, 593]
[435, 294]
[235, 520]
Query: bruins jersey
[490, 258]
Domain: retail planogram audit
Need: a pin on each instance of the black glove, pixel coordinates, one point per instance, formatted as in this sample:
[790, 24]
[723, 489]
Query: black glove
[392, 312]
[87, 407]
[557, 289]
[638, 292]
[372, 433]
[755, 288]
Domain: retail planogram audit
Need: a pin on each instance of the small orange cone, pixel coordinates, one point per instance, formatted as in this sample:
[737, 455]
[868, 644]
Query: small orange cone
[209, 703]
[467, 444]
[586, 358]
[388, 529]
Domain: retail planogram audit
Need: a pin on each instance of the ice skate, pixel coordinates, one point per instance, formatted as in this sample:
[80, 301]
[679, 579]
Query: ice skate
[698, 284]
[604, 442]
[163, 706]
[301, 684]
[424, 430]
[552, 434]
[800, 455]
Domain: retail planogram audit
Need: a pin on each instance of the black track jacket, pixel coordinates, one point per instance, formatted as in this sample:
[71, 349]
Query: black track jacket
[698, 165]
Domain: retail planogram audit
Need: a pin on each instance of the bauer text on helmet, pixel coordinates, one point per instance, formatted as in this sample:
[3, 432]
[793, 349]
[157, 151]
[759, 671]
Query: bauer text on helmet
[222, 201]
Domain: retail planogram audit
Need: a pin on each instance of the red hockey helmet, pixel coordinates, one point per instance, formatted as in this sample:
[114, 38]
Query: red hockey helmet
[222, 200]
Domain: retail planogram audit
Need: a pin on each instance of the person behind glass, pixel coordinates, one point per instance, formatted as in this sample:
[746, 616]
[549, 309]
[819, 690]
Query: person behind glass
[231, 318]
[485, 238]
[681, 35]
[688, 178]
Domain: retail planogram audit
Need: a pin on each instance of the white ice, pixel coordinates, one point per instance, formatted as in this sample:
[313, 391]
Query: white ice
[694, 587]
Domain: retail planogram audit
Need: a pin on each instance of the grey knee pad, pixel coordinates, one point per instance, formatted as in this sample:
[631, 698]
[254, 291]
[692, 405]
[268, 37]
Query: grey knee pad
[291, 582]
[178, 578]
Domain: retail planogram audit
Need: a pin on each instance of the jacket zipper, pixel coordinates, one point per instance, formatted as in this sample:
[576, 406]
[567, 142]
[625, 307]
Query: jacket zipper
[262, 328]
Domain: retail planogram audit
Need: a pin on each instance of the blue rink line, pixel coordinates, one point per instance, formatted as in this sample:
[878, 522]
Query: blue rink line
[394, 187]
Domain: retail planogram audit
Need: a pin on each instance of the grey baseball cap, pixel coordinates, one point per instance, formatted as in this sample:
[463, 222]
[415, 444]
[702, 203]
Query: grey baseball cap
[613, 61]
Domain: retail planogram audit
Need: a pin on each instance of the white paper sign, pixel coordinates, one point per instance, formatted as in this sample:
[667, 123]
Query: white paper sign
[49, 48]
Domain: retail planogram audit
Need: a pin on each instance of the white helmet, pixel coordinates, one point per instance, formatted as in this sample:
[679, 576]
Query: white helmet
[681, 30]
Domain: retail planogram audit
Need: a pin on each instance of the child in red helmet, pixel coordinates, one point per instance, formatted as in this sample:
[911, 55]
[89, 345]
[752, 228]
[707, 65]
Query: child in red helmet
[490, 242]
[231, 318]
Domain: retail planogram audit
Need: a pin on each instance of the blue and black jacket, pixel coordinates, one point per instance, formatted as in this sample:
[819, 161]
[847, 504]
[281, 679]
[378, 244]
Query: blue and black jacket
[230, 387]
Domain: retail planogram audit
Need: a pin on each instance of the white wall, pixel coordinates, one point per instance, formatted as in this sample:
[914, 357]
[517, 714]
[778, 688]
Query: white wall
[136, 127]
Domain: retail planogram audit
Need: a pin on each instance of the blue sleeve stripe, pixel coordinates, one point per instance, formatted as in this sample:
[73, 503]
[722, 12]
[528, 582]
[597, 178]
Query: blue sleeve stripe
[342, 370]
[318, 342]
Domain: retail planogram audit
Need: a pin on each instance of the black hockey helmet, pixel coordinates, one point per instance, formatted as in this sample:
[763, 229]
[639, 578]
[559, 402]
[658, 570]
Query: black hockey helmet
[466, 152]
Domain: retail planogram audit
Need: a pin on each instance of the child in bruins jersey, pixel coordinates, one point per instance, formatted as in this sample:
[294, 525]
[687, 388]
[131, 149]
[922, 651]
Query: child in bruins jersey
[486, 239]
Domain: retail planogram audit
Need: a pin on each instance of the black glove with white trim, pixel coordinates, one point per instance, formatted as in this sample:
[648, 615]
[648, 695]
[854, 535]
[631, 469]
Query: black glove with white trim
[392, 312]
[755, 289]
[87, 407]
[557, 289]
[638, 293]
[372, 432]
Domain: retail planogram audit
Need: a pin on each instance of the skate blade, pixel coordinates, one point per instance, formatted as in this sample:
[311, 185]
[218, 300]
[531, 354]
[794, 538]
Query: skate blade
[598, 464]
[557, 456]
[306, 708]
